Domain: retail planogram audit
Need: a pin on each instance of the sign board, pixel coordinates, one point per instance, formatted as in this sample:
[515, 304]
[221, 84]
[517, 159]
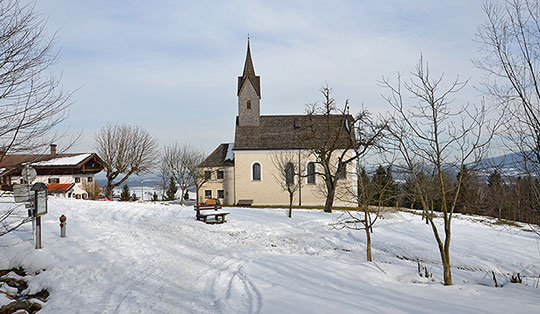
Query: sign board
[29, 174]
[21, 193]
[40, 190]
[41, 202]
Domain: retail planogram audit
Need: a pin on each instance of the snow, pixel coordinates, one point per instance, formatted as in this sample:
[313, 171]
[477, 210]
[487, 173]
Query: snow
[63, 161]
[156, 258]
[230, 153]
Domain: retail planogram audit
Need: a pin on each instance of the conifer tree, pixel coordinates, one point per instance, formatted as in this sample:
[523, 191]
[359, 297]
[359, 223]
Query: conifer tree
[125, 196]
[171, 192]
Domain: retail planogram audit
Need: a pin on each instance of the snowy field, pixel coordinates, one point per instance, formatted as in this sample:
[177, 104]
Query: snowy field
[152, 258]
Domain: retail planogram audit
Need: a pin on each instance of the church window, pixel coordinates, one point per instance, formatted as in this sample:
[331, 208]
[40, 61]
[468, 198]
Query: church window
[249, 104]
[342, 173]
[289, 173]
[219, 174]
[311, 173]
[256, 172]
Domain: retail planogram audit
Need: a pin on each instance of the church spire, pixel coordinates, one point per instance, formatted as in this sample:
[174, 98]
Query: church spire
[248, 65]
[249, 73]
[249, 94]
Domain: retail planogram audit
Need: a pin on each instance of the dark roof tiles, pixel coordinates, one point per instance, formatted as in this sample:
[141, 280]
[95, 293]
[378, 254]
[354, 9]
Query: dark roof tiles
[292, 132]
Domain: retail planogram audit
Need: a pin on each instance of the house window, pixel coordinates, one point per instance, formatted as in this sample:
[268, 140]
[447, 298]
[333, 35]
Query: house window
[311, 173]
[219, 174]
[207, 194]
[289, 173]
[90, 179]
[54, 180]
[220, 194]
[207, 175]
[256, 172]
[342, 174]
[77, 180]
[249, 104]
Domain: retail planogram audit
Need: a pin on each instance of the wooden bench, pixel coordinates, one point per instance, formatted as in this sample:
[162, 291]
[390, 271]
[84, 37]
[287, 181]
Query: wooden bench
[244, 202]
[205, 211]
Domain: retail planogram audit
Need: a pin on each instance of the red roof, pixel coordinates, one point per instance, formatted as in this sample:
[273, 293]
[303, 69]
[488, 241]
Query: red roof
[59, 187]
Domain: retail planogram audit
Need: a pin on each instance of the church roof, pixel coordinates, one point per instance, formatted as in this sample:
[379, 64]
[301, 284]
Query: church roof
[291, 132]
[249, 74]
[221, 156]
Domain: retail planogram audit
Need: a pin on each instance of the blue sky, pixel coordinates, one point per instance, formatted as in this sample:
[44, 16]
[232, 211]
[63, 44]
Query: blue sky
[172, 66]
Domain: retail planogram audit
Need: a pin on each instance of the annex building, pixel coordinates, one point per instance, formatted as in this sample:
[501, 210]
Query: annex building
[66, 175]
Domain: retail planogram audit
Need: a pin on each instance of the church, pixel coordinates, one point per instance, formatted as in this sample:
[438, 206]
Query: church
[245, 172]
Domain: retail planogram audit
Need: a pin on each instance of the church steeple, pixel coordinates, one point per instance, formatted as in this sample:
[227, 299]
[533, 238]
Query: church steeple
[249, 94]
[249, 74]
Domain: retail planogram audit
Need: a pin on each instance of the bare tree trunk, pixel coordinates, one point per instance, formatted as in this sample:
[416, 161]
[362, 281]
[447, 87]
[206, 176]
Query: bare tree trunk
[183, 189]
[330, 198]
[368, 241]
[290, 204]
[109, 190]
[447, 272]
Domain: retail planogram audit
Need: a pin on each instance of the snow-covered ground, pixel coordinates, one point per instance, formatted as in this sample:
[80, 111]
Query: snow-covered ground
[152, 258]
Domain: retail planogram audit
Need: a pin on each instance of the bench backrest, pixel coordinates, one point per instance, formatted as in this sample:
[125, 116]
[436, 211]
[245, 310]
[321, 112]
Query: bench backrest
[207, 207]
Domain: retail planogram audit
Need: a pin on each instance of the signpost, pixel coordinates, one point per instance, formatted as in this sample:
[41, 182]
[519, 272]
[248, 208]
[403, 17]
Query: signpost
[40, 208]
[35, 199]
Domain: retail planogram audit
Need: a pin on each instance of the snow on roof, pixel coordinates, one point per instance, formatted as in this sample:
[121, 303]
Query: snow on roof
[63, 161]
[230, 154]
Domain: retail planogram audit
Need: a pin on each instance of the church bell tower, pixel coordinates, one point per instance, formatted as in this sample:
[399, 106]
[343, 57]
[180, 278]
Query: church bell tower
[249, 94]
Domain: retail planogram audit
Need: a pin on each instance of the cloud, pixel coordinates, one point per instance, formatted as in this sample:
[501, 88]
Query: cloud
[171, 66]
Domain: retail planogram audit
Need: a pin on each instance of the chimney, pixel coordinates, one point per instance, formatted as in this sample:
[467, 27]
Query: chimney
[53, 149]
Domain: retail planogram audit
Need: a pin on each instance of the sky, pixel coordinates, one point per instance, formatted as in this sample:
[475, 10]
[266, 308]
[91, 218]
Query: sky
[171, 67]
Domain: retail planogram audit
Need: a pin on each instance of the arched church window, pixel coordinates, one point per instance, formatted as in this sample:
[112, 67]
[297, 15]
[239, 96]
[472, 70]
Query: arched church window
[311, 172]
[289, 173]
[249, 104]
[256, 172]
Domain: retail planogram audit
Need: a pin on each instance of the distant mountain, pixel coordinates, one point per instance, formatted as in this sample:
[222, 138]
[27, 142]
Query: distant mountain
[149, 180]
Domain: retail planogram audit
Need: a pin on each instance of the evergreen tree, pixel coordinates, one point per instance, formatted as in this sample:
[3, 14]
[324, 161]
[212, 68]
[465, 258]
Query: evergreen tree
[155, 197]
[125, 196]
[186, 196]
[171, 192]
[385, 187]
[134, 197]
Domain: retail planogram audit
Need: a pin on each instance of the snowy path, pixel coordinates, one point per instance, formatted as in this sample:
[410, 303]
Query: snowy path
[148, 258]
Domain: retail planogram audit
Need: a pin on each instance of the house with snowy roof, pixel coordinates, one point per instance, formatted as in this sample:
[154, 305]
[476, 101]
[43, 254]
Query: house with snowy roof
[245, 172]
[65, 174]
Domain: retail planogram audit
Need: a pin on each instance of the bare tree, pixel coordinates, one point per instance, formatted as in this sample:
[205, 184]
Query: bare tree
[181, 162]
[289, 174]
[93, 190]
[370, 196]
[430, 132]
[125, 150]
[336, 139]
[510, 38]
[32, 102]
